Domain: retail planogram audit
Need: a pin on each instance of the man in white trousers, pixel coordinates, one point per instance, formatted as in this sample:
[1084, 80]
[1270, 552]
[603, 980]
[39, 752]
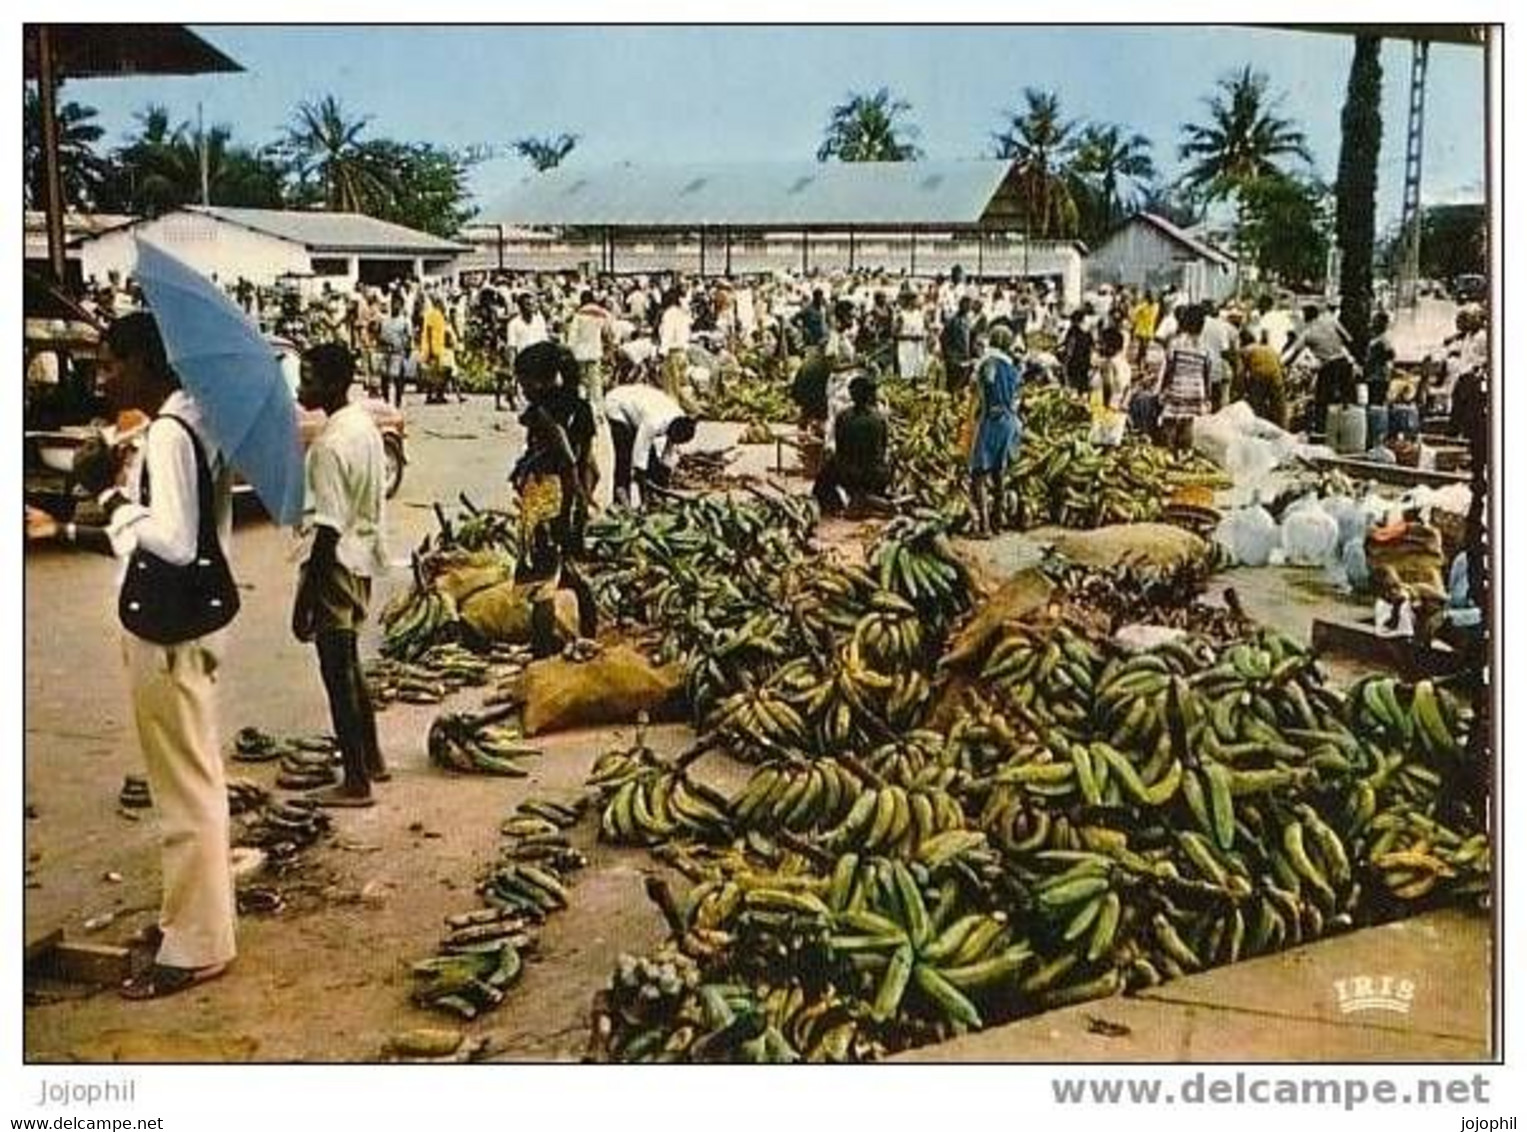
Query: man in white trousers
[171, 528]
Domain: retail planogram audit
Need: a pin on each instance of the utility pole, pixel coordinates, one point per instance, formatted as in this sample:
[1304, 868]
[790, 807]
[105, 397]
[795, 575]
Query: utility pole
[201, 155]
[1410, 213]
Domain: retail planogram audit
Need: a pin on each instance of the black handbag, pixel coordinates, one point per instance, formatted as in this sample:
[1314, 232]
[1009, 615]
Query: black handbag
[169, 604]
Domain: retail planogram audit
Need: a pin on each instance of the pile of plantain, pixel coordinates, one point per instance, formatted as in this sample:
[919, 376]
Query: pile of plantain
[485, 743]
[481, 955]
[925, 849]
[1059, 476]
[749, 398]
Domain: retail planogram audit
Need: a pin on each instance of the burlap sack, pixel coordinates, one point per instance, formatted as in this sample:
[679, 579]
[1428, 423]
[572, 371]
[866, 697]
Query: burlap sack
[1019, 599]
[614, 687]
[460, 583]
[502, 613]
[1154, 544]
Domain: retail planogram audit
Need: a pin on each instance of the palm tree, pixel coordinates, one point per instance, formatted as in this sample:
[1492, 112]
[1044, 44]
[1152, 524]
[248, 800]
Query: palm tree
[160, 168]
[1106, 160]
[81, 170]
[545, 153]
[1040, 143]
[1362, 130]
[324, 142]
[865, 128]
[1243, 140]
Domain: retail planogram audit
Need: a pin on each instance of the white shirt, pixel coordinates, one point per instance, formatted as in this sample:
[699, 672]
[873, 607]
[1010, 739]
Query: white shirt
[586, 333]
[167, 527]
[1217, 337]
[522, 333]
[639, 350]
[346, 482]
[673, 330]
[648, 412]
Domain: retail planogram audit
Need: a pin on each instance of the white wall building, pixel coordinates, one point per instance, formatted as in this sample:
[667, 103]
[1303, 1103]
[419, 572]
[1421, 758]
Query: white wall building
[1150, 251]
[269, 245]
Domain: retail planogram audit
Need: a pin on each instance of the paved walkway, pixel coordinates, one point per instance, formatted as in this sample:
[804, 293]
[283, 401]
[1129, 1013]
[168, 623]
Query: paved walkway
[1285, 1007]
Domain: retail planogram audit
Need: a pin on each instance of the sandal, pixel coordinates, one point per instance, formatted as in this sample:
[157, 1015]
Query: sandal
[160, 981]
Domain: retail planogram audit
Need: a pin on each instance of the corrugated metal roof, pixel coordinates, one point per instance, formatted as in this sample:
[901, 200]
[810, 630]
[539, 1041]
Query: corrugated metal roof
[757, 195]
[333, 231]
[1192, 243]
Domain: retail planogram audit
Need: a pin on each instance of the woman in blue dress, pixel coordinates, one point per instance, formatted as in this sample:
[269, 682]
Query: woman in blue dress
[997, 433]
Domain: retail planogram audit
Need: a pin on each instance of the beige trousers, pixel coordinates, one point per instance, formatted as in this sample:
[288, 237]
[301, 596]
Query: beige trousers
[174, 705]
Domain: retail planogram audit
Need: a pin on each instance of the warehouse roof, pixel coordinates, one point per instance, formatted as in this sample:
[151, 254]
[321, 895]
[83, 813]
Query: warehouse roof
[333, 231]
[1179, 236]
[885, 194]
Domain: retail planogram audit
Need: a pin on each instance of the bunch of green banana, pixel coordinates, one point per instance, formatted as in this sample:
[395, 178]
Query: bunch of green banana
[752, 399]
[423, 618]
[908, 759]
[486, 929]
[932, 961]
[1415, 856]
[660, 804]
[799, 797]
[467, 983]
[913, 558]
[1420, 717]
[1049, 674]
[892, 819]
[468, 744]
[760, 718]
[526, 887]
[891, 637]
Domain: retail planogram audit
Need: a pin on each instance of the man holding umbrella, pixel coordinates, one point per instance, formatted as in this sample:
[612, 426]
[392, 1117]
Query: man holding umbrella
[171, 527]
[213, 388]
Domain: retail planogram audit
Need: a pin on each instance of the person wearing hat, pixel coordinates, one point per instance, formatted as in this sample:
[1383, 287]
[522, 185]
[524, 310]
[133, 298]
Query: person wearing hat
[857, 473]
[997, 432]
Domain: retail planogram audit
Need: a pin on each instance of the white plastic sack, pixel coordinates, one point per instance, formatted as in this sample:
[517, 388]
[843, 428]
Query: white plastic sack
[1309, 534]
[1212, 437]
[1351, 517]
[1354, 560]
[1250, 461]
[604, 461]
[1249, 535]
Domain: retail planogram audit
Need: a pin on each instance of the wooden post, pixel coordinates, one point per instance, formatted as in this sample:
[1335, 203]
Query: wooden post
[805, 256]
[850, 249]
[53, 186]
[913, 269]
[728, 253]
[980, 253]
[702, 251]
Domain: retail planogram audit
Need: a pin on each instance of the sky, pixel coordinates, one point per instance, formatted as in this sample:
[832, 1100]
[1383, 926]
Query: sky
[655, 94]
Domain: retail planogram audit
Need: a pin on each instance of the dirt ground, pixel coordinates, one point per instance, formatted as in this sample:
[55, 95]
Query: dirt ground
[327, 978]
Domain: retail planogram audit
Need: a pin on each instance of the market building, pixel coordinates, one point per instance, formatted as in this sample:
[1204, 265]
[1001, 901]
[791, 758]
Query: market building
[269, 245]
[915, 218]
[1150, 251]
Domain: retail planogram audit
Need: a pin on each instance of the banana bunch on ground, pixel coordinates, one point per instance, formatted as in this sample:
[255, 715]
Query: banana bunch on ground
[1415, 857]
[283, 828]
[467, 983]
[928, 465]
[417, 620]
[660, 804]
[641, 1011]
[921, 960]
[907, 759]
[437, 672]
[751, 399]
[757, 432]
[828, 600]
[796, 796]
[478, 744]
[894, 820]
[855, 706]
[913, 558]
[1047, 672]
[1419, 717]
[535, 833]
[487, 929]
[484, 528]
[891, 637]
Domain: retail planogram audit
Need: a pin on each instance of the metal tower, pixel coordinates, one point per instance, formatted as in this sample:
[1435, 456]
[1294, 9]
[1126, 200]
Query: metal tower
[1410, 215]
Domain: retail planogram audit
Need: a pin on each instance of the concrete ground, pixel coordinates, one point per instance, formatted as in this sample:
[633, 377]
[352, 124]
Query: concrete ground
[327, 979]
[1284, 1007]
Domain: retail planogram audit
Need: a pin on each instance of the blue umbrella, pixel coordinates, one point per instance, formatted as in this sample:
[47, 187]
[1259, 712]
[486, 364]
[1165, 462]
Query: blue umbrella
[224, 361]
